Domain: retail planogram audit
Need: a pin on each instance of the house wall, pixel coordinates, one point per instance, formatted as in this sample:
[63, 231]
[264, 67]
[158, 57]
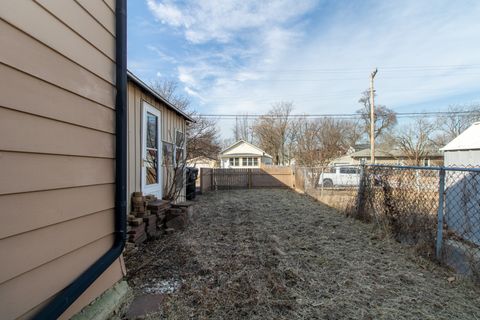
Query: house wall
[57, 149]
[170, 122]
[462, 158]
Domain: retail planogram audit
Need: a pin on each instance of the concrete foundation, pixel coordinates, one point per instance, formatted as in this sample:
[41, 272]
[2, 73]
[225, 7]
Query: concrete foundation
[112, 304]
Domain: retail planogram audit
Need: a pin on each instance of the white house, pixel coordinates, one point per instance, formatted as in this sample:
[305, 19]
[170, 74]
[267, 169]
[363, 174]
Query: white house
[242, 154]
[464, 150]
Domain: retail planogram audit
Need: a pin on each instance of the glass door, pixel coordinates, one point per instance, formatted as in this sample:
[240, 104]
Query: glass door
[151, 151]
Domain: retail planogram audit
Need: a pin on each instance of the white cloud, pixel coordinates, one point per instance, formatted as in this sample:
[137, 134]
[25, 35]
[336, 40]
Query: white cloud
[166, 13]
[185, 76]
[222, 20]
[246, 55]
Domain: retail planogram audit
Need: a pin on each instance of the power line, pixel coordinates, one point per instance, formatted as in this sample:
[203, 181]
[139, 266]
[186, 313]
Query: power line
[333, 115]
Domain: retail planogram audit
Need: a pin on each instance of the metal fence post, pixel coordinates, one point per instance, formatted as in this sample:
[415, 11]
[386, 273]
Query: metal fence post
[361, 191]
[441, 193]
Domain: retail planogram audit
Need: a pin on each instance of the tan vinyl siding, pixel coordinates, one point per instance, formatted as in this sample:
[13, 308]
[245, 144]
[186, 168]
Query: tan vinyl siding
[29, 247]
[23, 52]
[170, 121]
[44, 135]
[75, 109]
[101, 12]
[57, 150]
[73, 205]
[20, 294]
[46, 28]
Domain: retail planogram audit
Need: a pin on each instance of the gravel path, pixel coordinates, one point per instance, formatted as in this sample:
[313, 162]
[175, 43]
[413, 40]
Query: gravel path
[276, 254]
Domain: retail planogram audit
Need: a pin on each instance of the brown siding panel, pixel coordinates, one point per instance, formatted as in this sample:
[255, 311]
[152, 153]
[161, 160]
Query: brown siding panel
[101, 12]
[63, 205]
[110, 4]
[24, 172]
[29, 133]
[76, 18]
[29, 247]
[40, 24]
[51, 66]
[103, 283]
[49, 101]
[20, 294]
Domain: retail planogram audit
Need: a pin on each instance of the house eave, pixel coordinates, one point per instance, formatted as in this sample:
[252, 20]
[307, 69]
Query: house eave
[143, 85]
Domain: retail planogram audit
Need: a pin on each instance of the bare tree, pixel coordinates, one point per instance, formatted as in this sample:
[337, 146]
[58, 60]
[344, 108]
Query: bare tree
[457, 120]
[320, 141]
[243, 129]
[416, 140]
[174, 163]
[274, 130]
[353, 132]
[385, 118]
[202, 136]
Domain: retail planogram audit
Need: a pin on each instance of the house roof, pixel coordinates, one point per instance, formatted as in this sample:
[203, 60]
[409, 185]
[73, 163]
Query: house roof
[395, 153]
[247, 143]
[467, 140]
[150, 90]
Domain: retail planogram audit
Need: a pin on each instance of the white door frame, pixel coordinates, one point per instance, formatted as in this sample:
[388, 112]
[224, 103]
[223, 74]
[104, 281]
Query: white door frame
[157, 188]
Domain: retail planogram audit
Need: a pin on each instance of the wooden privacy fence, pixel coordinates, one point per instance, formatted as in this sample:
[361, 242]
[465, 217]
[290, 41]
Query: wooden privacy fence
[269, 177]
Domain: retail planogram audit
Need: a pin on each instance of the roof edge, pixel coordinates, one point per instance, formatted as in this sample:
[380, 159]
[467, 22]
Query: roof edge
[142, 84]
[242, 140]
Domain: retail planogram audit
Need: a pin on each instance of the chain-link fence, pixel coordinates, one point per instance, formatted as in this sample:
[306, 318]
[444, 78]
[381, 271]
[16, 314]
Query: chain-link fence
[435, 209]
[335, 186]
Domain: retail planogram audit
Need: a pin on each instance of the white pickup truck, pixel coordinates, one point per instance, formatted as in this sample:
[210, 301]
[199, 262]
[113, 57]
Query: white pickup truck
[340, 176]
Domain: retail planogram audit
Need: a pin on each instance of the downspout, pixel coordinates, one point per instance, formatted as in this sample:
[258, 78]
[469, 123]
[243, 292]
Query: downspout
[68, 295]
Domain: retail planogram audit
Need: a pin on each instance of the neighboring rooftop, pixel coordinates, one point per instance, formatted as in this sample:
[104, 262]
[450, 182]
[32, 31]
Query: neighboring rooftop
[248, 152]
[395, 153]
[467, 140]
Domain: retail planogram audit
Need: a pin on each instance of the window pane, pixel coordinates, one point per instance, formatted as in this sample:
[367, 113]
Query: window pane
[179, 139]
[244, 162]
[255, 161]
[152, 131]
[167, 154]
[231, 162]
[151, 166]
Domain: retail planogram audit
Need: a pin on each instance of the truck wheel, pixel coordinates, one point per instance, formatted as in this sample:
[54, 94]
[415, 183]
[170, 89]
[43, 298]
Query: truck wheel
[327, 183]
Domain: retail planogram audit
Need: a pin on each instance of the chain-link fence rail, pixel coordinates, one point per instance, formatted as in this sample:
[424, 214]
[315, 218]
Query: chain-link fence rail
[437, 209]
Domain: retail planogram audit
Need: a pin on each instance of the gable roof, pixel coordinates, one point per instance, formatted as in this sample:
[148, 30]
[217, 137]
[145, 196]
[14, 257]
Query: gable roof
[150, 90]
[247, 143]
[467, 140]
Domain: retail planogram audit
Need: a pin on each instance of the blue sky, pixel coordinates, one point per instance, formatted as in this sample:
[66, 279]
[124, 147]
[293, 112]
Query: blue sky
[236, 57]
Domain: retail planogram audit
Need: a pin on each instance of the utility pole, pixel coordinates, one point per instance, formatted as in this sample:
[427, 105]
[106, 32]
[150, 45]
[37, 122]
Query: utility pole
[372, 117]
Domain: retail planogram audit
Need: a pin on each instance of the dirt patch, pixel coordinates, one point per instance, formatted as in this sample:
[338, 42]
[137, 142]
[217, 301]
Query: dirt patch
[276, 254]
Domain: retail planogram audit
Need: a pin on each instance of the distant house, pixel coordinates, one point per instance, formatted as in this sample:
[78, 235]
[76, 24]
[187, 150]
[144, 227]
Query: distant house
[202, 162]
[242, 154]
[347, 158]
[464, 150]
[395, 157]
